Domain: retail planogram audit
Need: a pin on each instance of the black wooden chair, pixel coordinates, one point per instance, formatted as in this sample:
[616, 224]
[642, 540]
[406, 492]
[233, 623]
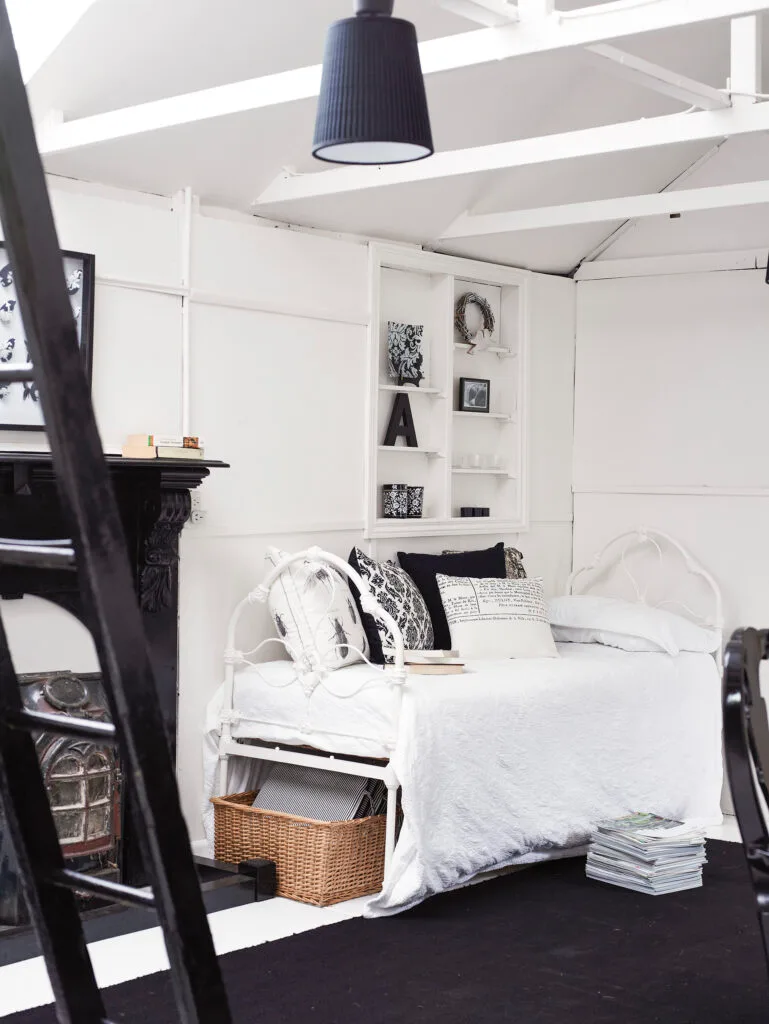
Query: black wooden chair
[746, 742]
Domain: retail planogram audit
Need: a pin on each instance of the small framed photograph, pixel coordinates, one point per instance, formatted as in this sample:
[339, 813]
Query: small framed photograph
[19, 403]
[474, 394]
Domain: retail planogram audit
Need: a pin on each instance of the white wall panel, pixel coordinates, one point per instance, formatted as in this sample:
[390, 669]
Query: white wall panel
[136, 363]
[281, 399]
[134, 236]
[671, 381]
[295, 271]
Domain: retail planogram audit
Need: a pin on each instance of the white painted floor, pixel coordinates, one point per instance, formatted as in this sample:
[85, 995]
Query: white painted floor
[25, 985]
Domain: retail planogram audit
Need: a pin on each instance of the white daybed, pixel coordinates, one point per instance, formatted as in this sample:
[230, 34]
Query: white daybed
[513, 761]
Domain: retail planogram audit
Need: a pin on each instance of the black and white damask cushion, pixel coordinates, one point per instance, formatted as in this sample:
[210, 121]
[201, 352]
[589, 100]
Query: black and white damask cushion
[397, 593]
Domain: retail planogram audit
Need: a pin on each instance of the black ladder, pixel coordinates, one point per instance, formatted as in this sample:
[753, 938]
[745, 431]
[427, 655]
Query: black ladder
[97, 553]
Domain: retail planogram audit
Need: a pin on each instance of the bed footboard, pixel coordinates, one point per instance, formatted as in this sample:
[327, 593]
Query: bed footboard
[228, 718]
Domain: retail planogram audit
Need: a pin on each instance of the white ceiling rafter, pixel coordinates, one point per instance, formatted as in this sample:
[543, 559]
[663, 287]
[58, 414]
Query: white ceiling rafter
[596, 211]
[744, 78]
[652, 76]
[678, 263]
[538, 32]
[745, 70]
[646, 133]
[627, 225]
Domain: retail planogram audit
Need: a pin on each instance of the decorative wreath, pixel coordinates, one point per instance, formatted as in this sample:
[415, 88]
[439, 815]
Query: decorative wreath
[460, 317]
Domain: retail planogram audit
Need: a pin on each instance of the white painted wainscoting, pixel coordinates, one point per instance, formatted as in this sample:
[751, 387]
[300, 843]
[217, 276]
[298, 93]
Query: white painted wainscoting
[671, 424]
[273, 322]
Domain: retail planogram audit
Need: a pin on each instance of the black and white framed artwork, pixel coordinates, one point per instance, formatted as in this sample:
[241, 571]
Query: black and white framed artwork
[20, 407]
[474, 394]
[404, 352]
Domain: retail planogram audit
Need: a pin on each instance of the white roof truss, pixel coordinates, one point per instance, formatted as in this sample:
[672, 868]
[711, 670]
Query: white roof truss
[625, 137]
[745, 69]
[539, 30]
[626, 225]
[716, 197]
[643, 72]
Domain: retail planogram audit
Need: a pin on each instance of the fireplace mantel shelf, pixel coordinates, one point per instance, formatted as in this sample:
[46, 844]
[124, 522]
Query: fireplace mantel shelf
[185, 473]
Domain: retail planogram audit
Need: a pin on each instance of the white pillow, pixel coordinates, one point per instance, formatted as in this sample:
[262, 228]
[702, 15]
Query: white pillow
[314, 612]
[491, 618]
[585, 619]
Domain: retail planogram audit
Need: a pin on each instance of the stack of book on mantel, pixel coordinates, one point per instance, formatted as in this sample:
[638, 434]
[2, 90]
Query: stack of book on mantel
[162, 446]
[430, 663]
[647, 853]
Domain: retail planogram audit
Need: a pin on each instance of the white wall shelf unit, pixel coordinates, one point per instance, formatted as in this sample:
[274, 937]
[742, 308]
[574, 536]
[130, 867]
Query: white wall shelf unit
[410, 286]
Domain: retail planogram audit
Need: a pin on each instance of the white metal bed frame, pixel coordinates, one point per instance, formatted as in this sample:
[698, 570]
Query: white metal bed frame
[612, 556]
[395, 678]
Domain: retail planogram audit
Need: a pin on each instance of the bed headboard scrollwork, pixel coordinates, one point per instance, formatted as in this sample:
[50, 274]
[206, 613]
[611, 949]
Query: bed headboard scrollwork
[653, 568]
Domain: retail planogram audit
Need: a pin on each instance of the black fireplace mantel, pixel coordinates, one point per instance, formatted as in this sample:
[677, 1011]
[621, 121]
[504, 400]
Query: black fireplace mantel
[154, 499]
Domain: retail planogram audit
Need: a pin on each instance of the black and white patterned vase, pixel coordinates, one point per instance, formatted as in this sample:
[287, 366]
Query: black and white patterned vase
[394, 501]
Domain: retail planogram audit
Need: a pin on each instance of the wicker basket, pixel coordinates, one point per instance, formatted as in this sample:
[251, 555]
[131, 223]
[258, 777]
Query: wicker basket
[318, 862]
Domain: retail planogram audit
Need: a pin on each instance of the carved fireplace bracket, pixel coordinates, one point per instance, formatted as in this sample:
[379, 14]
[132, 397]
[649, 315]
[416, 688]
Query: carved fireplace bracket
[165, 515]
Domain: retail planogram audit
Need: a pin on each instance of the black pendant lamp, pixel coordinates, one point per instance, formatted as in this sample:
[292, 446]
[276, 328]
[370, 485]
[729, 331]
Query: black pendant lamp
[372, 107]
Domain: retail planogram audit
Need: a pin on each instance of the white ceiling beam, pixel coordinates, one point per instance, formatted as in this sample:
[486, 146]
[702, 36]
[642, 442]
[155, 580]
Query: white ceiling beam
[614, 236]
[745, 70]
[683, 263]
[491, 13]
[626, 137]
[556, 31]
[635, 69]
[656, 204]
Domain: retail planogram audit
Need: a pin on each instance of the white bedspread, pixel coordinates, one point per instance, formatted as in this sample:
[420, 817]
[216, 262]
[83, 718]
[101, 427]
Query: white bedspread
[519, 757]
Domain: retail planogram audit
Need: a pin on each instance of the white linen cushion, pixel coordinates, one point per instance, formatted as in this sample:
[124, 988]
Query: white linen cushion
[493, 618]
[584, 619]
[314, 612]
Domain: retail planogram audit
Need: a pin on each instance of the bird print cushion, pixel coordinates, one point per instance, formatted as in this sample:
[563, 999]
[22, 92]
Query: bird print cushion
[315, 614]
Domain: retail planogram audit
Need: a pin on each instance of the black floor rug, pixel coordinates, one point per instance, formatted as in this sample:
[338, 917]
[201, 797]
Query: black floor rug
[543, 946]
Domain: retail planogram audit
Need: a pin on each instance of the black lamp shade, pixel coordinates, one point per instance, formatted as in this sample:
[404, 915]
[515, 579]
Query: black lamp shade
[372, 107]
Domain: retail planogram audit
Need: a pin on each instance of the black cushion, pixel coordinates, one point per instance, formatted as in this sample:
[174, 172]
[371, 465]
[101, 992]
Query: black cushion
[488, 563]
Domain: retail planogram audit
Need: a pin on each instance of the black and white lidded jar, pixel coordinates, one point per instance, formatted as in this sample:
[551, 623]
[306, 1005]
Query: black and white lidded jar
[394, 501]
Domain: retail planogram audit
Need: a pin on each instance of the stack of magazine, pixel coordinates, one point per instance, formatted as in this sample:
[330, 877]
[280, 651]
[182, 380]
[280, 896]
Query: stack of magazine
[647, 853]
